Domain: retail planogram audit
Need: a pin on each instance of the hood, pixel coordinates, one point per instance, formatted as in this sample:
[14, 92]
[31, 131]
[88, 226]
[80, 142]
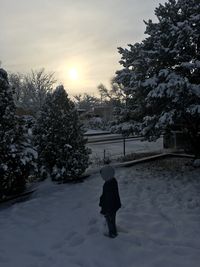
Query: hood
[107, 173]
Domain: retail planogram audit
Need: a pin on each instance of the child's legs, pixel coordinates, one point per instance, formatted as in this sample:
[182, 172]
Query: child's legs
[110, 219]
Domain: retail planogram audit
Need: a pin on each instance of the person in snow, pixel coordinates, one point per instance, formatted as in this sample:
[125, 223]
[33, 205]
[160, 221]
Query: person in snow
[110, 200]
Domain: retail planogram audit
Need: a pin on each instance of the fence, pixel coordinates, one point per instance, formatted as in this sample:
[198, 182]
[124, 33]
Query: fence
[118, 149]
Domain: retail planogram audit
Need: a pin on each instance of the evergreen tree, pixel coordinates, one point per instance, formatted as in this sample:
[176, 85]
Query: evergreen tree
[59, 138]
[162, 74]
[15, 157]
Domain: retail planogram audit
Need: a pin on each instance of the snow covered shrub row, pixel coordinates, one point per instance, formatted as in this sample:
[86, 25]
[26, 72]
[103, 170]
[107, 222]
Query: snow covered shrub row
[54, 147]
[96, 123]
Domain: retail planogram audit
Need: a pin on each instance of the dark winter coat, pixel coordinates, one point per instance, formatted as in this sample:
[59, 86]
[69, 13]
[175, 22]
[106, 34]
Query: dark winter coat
[110, 199]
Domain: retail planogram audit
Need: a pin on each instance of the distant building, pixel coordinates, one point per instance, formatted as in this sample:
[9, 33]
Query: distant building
[105, 112]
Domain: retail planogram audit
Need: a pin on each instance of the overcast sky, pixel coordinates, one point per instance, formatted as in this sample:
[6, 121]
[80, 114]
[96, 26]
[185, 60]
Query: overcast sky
[63, 34]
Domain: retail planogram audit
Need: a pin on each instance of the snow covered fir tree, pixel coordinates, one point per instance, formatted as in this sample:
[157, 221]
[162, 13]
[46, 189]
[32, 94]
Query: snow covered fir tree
[17, 157]
[161, 75]
[59, 139]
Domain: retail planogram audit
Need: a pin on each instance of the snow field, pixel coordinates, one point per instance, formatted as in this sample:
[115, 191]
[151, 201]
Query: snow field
[159, 223]
[114, 150]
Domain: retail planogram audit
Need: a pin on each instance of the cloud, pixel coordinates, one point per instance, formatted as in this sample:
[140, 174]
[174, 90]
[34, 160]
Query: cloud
[58, 33]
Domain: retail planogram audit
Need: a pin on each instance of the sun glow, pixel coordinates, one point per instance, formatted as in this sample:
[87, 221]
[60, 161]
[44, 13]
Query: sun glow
[73, 74]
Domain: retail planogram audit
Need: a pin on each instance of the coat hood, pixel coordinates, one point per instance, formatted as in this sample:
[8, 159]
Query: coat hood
[107, 173]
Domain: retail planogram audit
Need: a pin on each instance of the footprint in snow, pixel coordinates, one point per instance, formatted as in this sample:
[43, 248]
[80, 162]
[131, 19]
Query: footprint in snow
[76, 241]
[70, 235]
[92, 221]
[57, 245]
[92, 230]
[37, 253]
[77, 206]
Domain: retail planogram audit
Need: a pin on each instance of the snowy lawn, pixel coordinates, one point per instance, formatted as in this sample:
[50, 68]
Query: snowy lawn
[114, 149]
[159, 223]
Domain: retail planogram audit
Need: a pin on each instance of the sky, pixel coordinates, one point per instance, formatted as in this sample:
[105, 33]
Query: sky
[76, 39]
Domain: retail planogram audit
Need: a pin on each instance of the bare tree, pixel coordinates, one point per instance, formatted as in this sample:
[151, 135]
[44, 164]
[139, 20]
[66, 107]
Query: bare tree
[86, 101]
[31, 89]
[114, 96]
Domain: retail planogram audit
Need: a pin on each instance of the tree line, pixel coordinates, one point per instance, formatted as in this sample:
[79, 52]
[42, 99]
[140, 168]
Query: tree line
[51, 144]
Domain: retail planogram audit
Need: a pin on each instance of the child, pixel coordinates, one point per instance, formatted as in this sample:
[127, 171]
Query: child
[110, 199]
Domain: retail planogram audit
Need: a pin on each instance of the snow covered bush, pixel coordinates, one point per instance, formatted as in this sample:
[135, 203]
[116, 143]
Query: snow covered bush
[97, 123]
[16, 153]
[59, 139]
[161, 75]
[29, 155]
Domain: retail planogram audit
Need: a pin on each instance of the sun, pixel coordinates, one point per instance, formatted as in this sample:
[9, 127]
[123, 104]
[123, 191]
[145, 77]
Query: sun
[73, 74]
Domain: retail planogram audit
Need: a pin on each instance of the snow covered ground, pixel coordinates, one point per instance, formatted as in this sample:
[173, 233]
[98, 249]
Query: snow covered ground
[114, 149]
[159, 223]
[96, 132]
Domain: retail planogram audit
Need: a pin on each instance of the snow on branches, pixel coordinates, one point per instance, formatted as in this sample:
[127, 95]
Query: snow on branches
[17, 156]
[59, 138]
[161, 75]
